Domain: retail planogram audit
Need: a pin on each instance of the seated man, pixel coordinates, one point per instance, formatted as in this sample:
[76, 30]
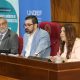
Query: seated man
[8, 39]
[36, 41]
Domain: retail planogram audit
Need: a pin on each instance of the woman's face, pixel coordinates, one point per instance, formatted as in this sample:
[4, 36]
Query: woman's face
[62, 34]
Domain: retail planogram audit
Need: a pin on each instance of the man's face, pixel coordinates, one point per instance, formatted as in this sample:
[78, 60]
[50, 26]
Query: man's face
[3, 25]
[29, 26]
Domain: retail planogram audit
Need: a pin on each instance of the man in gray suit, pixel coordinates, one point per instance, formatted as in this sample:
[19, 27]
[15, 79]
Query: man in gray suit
[36, 41]
[8, 39]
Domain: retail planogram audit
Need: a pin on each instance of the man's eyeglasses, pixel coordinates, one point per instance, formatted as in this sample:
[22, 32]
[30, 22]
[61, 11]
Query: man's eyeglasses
[2, 23]
[28, 24]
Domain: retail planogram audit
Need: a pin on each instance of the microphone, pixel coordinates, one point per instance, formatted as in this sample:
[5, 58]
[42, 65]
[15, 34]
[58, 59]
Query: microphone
[38, 58]
[5, 51]
[38, 54]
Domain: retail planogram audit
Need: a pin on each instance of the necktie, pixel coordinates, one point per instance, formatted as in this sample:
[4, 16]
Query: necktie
[0, 38]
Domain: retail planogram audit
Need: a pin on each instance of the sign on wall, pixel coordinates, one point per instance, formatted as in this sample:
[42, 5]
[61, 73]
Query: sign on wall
[10, 10]
[39, 8]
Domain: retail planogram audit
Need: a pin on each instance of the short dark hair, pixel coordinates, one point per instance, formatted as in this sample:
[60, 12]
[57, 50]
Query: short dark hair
[34, 19]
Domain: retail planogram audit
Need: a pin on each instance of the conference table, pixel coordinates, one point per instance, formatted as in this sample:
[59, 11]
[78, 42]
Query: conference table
[33, 68]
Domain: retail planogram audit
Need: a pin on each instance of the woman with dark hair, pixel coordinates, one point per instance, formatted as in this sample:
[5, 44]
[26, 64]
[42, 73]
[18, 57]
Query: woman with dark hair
[70, 45]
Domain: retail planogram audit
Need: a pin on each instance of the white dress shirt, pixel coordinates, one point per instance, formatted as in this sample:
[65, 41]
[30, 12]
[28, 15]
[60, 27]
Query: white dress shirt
[29, 43]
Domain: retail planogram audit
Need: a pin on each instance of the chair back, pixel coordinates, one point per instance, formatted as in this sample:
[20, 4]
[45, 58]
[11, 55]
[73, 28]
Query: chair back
[54, 31]
[20, 45]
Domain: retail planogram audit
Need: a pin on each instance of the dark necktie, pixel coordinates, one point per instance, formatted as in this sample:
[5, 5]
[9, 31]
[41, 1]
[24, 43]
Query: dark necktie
[1, 37]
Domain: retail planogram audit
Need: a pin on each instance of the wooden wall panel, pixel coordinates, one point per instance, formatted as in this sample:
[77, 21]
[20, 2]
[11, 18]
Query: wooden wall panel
[66, 11]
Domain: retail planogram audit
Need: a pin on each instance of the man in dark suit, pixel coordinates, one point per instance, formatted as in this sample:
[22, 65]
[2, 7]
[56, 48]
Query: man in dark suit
[8, 39]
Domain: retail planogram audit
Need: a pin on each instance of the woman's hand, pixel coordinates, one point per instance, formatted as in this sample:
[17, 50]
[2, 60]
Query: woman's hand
[56, 59]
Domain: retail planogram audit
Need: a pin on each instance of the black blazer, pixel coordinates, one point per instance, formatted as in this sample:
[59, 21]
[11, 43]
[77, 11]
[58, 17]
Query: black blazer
[10, 42]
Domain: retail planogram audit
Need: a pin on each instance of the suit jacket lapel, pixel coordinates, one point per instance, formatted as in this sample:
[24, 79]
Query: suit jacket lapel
[7, 34]
[25, 40]
[35, 42]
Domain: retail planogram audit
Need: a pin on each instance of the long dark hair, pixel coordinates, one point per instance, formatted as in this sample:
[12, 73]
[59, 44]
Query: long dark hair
[70, 33]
